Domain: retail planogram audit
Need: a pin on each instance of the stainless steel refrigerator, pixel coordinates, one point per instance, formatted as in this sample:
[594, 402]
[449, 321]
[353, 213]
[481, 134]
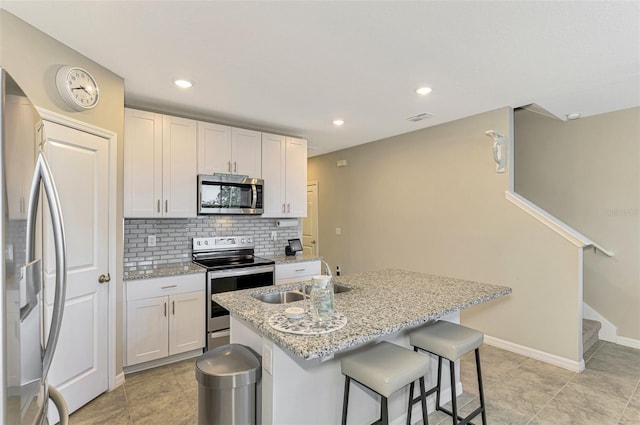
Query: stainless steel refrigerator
[27, 346]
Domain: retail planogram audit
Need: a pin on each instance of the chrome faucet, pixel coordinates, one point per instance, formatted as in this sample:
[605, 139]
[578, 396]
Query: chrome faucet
[327, 267]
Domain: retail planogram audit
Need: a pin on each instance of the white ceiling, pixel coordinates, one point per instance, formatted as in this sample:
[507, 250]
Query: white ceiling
[293, 67]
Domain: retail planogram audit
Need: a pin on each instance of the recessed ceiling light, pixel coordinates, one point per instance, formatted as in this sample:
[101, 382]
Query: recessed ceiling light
[185, 84]
[338, 123]
[423, 90]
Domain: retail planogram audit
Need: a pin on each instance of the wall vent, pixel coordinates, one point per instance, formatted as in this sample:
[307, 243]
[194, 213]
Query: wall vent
[420, 117]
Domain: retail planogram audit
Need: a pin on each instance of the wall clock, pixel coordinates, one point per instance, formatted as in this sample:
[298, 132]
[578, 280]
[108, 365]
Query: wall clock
[77, 87]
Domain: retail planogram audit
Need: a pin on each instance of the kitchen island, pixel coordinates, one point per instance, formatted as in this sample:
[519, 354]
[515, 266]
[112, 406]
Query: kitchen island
[301, 381]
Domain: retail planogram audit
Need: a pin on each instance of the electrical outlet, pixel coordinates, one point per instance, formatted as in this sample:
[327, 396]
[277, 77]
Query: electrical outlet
[338, 271]
[151, 240]
[338, 231]
[274, 236]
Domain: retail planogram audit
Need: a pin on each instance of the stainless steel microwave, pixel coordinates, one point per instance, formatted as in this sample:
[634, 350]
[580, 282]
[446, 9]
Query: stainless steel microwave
[227, 194]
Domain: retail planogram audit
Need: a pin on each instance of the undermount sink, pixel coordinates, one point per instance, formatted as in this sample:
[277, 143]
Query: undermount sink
[279, 297]
[337, 288]
[285, 297]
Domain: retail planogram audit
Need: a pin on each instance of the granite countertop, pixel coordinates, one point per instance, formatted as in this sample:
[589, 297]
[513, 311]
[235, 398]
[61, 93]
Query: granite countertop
[164, 271]
[283, 259]
[380, 303]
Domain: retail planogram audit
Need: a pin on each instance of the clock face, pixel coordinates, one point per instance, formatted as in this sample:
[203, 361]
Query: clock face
[77, 87]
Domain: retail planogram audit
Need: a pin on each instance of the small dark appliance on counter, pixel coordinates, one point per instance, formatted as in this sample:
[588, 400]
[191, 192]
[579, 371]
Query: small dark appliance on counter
[293, 247]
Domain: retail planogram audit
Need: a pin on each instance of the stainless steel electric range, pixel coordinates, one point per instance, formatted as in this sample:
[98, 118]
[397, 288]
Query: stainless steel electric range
[231, 266]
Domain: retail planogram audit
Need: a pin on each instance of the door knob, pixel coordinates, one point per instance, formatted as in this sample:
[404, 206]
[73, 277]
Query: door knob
[104, 278]
[313, 242]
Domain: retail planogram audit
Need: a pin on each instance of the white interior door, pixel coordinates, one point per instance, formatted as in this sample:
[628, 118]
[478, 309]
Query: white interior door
[79, 163]
[310, 244]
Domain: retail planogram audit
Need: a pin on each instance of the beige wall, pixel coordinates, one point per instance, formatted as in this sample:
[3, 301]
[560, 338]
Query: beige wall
[431, 201]
[33, 58]
[586, 173]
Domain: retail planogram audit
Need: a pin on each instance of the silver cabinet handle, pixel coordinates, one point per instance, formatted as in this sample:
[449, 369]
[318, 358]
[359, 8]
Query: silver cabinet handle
[229, 166]
[104, 278]
[173, 307]
[158, 206]
[235, 166]
[166, 206]
[167, 287]
[288, 208]
[283, 207]
[300, 270]
[43, 174]
[165, 309]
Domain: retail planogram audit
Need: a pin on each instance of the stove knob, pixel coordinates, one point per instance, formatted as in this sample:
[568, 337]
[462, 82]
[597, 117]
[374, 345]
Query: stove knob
[248, 240]
[242, 241]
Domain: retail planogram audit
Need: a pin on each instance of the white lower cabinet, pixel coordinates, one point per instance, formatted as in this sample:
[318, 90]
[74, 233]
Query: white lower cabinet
[165, 316]
[296, 272]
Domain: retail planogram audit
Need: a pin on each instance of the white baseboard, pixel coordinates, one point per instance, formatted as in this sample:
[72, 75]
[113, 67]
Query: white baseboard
[608, 331]
[552, 359]
[628, 342]
[163, 361]
[119, 381]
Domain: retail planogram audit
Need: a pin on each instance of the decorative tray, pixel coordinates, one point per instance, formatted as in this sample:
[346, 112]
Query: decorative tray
[306, 325]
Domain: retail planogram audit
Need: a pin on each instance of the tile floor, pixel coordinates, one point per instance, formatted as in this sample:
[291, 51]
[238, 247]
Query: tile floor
[518, 390]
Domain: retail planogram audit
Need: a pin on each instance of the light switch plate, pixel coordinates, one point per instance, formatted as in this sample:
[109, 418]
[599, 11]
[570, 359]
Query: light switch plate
[151, 240]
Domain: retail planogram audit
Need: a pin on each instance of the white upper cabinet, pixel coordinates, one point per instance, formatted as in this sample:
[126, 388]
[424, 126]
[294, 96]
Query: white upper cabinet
[284, 170]
[228, 150]
[246, 152]
[214, 148]
[160, 161]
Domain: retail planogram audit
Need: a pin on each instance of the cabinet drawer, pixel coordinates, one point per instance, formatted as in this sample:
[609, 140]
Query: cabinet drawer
[302, 270]
[148, 288]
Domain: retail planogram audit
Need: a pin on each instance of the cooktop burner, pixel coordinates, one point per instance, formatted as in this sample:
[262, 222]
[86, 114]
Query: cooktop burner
[227, 252]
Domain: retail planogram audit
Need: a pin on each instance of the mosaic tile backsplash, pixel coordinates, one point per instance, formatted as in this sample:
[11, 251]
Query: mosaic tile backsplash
[174, 238]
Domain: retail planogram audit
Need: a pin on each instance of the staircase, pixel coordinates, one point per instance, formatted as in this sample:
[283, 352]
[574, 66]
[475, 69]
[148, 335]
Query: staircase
[590, 329]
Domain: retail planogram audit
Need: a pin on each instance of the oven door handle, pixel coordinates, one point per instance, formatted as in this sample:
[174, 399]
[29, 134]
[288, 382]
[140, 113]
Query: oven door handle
[243, 272]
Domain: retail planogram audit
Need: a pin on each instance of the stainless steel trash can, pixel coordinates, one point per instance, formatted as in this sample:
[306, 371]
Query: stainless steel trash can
[227, 378]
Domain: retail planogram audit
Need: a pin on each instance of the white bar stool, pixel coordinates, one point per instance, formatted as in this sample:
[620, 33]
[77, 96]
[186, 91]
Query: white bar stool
[450, 341]
[384, 368]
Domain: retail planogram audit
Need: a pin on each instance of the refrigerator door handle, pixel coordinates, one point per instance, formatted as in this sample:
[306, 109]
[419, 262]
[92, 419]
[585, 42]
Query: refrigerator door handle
[43, 174]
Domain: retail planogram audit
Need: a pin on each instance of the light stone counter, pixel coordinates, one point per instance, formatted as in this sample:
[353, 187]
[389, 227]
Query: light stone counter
[380, 303]
[164, 271]
[285, 259]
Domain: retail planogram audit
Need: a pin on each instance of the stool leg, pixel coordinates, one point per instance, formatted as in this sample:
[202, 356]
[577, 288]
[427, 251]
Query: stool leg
[439, 383]
[410, 403]
[423, 400]
[345, 400]
[454, 404]
[480, 388]
[384, 412]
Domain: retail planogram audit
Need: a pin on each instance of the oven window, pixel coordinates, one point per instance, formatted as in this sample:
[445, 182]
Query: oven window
[234, 283]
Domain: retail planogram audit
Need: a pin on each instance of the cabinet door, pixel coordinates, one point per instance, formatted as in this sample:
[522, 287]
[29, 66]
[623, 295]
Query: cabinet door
[147, 329]
[273, 174]
[246, 152]
[142, 164]
[296, 172]
[186, 327]
[179, 170]
[214, 148]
